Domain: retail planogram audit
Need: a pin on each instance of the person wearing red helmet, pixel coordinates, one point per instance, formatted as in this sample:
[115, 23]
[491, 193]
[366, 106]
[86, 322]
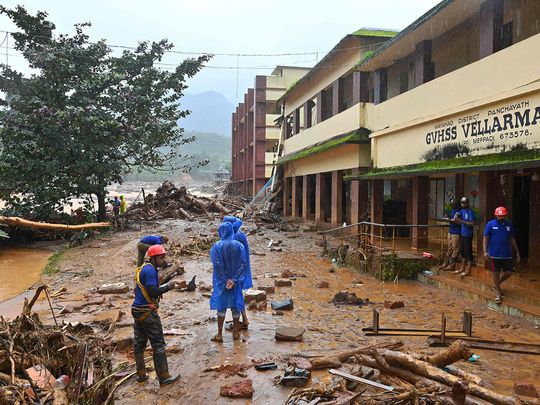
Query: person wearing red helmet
[499, 245]
[147, 325]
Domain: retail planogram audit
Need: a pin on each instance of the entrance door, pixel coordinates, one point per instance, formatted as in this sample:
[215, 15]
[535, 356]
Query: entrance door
[520, 213]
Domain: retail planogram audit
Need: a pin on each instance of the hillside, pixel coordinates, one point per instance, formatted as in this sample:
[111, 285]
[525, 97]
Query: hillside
[207, 146]
[210, 112]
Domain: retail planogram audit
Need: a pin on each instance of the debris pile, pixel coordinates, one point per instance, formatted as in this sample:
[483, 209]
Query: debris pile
[45, 364]
[382, 375]
[176, 202]
[199, 245]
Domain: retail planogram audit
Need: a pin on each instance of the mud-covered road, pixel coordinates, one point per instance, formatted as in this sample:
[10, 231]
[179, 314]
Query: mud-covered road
[111, 259]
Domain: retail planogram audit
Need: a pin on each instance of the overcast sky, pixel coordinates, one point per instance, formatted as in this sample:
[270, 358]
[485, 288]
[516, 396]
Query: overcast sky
[225, 26]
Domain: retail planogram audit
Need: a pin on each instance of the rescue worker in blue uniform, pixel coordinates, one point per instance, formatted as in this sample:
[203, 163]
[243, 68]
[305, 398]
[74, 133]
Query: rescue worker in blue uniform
[466, 219]
[499, 248]
[147, 323]
[145, 243]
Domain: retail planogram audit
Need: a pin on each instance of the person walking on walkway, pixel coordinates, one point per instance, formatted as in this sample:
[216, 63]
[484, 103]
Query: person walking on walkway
[242, 238]
[499, 245]
[466, 219]
[229, 264]
[145, 243]
[454, 237]
[147, 325]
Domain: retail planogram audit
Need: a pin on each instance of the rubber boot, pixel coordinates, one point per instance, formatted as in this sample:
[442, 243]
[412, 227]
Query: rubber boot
[162, 370]
[141, 367]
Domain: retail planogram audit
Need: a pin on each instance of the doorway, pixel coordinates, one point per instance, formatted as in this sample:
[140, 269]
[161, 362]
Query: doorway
[520, 213]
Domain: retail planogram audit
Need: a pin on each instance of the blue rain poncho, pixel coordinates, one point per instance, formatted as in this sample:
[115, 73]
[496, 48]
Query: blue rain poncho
[228, 260]
[242, 238]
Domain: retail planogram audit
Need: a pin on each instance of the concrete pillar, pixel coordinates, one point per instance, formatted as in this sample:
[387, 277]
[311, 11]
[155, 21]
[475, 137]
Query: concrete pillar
[337, 198]
[377, 201]
[321, 198]
[380, 86]
[491, 23]
[286, 192]
[420, 201]
[296, 121]
[306, 194]
[360, 87]
[295, 198]
[308, 105]
[335, 98]
[460, 185]
[319, 106]
[423, 66]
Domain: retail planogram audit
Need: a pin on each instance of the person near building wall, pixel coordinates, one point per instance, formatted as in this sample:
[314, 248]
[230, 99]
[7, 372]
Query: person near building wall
[499, 248]
[466, 219]
[454, 237]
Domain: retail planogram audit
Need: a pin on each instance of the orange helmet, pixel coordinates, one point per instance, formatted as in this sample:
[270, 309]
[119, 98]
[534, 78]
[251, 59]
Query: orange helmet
[155, 250]
[500, 212]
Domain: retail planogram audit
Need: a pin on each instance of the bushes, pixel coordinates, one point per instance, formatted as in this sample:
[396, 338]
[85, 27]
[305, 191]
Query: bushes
[392, 268]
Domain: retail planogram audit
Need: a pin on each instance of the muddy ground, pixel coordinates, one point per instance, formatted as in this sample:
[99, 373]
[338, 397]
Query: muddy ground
[111, 258]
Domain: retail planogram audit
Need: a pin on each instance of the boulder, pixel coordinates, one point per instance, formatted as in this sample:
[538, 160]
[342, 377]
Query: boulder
[322, 284]
[289, 333]
[283, 282]
[113, 288]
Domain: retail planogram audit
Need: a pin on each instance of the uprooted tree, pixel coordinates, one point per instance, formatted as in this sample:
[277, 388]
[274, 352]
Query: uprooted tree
[84, 117]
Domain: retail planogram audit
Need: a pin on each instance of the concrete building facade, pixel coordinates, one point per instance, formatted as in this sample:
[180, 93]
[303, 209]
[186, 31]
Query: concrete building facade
[255, 133]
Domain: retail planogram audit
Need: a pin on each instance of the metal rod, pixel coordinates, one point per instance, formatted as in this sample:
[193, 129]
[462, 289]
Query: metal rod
[360, 379]
[50, 305]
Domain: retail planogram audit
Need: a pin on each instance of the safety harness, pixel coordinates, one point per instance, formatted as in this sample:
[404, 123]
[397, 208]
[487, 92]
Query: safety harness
[153, 304]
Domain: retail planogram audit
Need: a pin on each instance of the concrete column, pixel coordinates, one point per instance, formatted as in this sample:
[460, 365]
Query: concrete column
[460, 185]
[296, 121]
[335, 98]
[377, 201]
[420, 201]
[319, 106]
[380, 86]
[423, 66]
[360, 87]
[295, 198]
[308, 105]
[337, 198]
[491, 23]
[306, 193]
[321, 198]
[286, 192]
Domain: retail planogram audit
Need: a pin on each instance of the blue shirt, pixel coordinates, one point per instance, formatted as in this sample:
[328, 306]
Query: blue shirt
[149, 276]
[455, 228]
[467, 215]
[500, 239]
[151, 240]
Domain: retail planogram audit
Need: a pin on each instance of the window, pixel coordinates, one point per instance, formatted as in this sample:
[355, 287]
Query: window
[345, 92]
[436, 198]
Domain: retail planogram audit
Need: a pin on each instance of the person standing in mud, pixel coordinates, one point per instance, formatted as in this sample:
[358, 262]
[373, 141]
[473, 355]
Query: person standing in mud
[147, 323]
[242, 238]
[229, 265]
[466, 219]
[454, 237]
[499, 245]
[145, 243]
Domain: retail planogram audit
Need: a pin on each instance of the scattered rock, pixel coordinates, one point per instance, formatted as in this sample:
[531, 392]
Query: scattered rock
[527, 390]
[268, 289]
[205, 287]
[322, 284]
[276, 249]
[277, 313]
[252, 305]
[285, 304]
[331, 270]
[393, 304]
[254, 295]
[114, 288]
[300, 362]
[206, 294]
[289, 333]
[188, 229]
[287, 274]
[282, 282]
[261, 306]
[347, 298]
[68, 309]
[240, 389]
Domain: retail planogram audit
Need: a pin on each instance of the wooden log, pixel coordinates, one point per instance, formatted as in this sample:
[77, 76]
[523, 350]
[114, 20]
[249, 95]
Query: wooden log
[185, 214]
[428, 370]
[455, 352]
[25, 223]
[465, 375]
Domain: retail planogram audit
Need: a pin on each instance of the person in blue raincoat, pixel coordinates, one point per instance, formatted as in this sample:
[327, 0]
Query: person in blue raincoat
[242, 238]
[229, 263]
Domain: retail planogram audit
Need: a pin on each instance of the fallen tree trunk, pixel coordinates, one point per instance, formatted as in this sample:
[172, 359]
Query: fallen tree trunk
[455, 352]
[427, 370]
[25, 223]
[465, 375]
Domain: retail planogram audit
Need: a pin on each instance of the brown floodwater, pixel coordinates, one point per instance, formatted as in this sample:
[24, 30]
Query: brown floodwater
[21, 269]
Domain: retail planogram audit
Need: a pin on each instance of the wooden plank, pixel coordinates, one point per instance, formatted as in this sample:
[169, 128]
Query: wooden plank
[405, 332]
[351, 377]
[482, 344]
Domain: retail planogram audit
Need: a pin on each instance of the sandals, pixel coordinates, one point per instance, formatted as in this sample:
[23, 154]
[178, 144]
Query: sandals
[217, 338]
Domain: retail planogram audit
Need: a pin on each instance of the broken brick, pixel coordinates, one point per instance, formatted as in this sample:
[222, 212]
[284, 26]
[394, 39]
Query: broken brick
[254, 295]
[527, 390]
[287, 274]
[393, 304]
[322, 284]
[282, 282]
[240, 389]
[268, 289]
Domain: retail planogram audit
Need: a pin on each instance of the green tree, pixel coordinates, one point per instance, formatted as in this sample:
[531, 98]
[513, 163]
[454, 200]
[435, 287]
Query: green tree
[85, 117]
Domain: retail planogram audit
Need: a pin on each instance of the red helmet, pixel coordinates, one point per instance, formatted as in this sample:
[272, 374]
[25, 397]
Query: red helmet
[155, 250]
[500, 212]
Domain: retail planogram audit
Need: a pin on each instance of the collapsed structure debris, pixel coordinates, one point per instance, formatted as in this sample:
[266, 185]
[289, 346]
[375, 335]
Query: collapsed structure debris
[176, 202]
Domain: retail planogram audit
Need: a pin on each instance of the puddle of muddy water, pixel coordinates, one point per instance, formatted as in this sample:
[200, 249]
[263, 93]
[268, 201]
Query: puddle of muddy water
[21, 269]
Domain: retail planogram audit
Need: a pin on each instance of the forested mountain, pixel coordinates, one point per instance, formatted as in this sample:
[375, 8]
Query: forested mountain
[210, 112]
